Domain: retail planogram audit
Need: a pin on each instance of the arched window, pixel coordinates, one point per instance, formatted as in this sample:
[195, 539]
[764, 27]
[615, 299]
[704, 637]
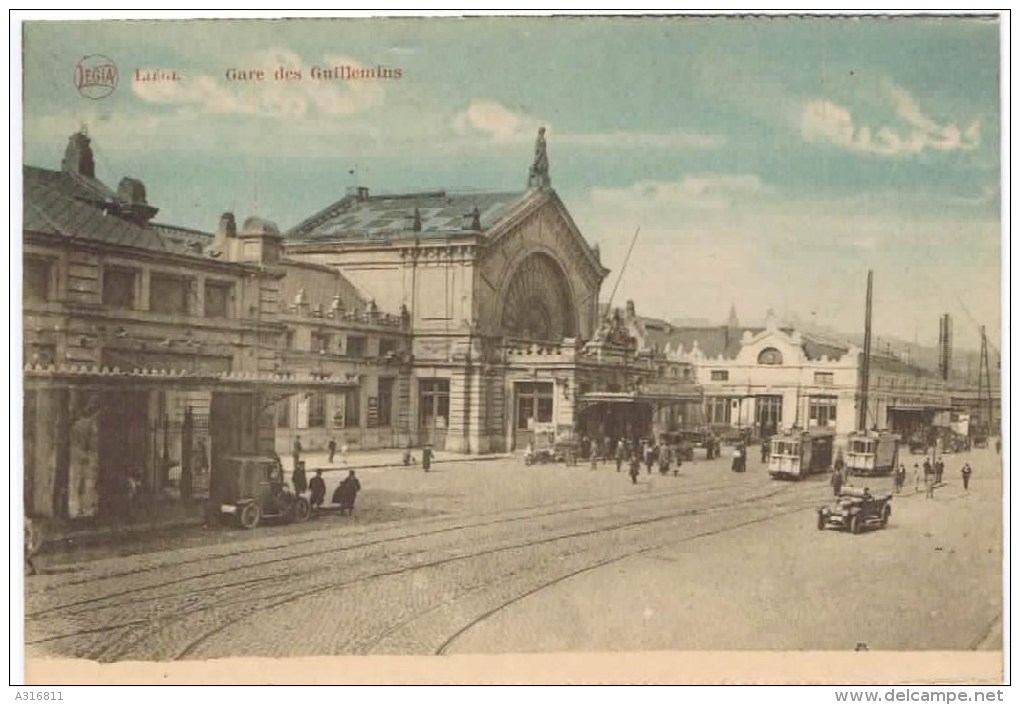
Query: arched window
[770, 356]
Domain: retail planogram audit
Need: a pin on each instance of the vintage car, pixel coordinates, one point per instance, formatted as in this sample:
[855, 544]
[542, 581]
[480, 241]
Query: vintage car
[250, 488]
[855, 509]
[918, 443]
[687, 440]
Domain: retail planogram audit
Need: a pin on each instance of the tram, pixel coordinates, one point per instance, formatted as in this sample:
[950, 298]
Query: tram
[797, 453]
[872, 452]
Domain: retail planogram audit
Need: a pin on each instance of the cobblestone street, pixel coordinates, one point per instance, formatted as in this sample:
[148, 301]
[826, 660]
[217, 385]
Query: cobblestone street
[498, 557]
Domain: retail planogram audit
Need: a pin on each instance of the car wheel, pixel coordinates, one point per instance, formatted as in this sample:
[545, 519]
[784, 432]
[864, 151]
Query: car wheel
[821, 521]
[855, 524]
[886, 513]
[301, 510]
[250, 516]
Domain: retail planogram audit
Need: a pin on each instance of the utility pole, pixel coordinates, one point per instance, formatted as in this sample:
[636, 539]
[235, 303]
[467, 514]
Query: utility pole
[862, 412]
[985, 380]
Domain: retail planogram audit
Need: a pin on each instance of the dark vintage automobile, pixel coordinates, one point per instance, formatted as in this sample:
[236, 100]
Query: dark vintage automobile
[687, 440]
[855, 509]
[918, 443]
[251, 488]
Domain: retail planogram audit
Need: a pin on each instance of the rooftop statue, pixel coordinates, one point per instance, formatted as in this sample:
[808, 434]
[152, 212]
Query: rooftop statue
[538, 176]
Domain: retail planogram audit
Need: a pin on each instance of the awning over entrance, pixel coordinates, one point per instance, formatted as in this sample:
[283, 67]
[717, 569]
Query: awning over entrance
[920, 407]
[653, 399]
[278, 384]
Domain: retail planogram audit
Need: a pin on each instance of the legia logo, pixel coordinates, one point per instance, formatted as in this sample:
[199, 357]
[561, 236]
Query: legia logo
[95, 76]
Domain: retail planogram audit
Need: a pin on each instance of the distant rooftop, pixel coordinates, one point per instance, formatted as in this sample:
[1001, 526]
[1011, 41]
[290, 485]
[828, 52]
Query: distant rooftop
[360, 215]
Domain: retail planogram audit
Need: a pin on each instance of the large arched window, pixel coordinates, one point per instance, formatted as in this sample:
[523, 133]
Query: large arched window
[770, 356]
[537, 304]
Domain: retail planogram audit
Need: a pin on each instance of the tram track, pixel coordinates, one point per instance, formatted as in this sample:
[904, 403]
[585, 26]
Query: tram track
[313, 548]
[250, 596]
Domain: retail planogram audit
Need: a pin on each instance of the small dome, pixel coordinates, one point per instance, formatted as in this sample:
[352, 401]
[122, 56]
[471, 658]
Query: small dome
[260, 226]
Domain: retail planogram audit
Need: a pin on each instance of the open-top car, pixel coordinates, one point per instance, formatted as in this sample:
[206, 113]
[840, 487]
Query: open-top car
[251, 488]
[856, 509]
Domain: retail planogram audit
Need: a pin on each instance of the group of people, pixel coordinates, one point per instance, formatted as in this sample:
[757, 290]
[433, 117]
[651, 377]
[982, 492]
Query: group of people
[346, 492]
[930, 474]
[652, 454]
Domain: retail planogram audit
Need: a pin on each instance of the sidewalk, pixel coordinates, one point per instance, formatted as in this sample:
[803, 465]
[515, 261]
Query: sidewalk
[168, 517]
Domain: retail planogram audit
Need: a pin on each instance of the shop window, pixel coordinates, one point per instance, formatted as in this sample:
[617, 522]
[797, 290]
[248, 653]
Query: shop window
[119, 287]
[717, 410]
[316, 411]
[346, 409]
[168, 294]
[37, 275]
[283, 413]
[534, 400]
[434, 403]
[217, 299]
[720, 375]
[385, 401]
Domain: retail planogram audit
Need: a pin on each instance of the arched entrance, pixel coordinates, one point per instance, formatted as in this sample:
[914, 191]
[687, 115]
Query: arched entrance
[537, 302]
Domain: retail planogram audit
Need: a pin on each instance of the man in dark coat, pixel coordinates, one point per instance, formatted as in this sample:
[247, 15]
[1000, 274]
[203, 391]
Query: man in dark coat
[966, 472]
[347, 492]
[426, 457]
[318, 487]
[332, 449]
[837, 482]
[298, 478]
[635, 467]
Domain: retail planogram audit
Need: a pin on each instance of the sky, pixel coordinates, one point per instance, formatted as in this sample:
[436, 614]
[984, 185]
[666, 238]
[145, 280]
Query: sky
[769, 163]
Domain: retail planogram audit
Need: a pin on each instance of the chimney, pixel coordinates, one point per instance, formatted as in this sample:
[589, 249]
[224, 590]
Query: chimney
[226, 230]
[78, 155]
[131, 193]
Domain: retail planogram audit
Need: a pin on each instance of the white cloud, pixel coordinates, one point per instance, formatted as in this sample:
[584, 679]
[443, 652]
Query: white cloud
[296, 97]
[494, 121]
[827, 121]
[712, 191]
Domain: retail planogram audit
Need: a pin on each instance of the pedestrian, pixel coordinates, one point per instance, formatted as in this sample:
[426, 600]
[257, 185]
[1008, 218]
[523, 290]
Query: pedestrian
[966, 472]
[840, 465]
[298, 478]
[917, 479]
[649, 456]
[764, 450]
[296, 450]
[34, 539]
[665, 459]
[899, 476]
[940, 467]
[620, 451]
[929, 485]
[408, 458]
[836, 481]
[426, 457]
[593, 455]
[635, 468]
[928, 467]
[332, 449]
[346, 493]
[318, 487]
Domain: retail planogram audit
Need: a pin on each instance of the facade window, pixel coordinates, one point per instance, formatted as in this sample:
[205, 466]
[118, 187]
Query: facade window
[770, 356]
[320, 341]
[217, 299]
[119, 287]
[822, 411]
[434, 403]
[385, 401]
[283, 413]
[168, 294]
[316, 411]
[346, 409]
[387, 346]
[720, 375]
[824, 378]
[534, 400]
[357, 346]
[717, 410]
[40, 354]
[36, 279]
